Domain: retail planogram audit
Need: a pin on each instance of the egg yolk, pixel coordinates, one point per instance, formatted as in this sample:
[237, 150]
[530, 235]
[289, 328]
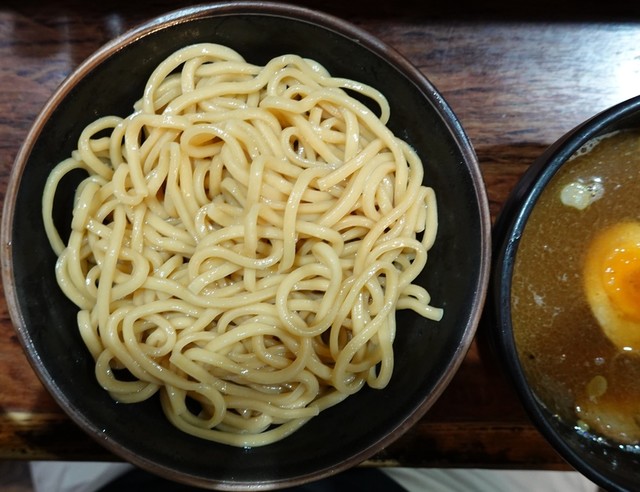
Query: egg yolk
[621, 279]
[612, 283]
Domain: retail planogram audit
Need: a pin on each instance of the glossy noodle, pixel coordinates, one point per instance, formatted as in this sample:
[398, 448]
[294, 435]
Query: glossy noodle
[242, 242]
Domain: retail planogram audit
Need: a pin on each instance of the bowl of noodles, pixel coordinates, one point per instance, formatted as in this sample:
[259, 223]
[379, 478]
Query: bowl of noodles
[565, 295]
[248, 245]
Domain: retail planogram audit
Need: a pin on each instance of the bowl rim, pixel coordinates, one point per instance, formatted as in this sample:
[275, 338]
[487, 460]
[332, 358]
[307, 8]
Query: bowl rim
[507, 232]
[298, 13]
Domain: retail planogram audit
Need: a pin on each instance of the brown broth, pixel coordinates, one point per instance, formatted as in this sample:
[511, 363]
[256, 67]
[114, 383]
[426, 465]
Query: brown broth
[560, 343]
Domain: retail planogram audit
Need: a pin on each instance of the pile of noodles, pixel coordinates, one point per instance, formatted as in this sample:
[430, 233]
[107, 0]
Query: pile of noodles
[242, 242]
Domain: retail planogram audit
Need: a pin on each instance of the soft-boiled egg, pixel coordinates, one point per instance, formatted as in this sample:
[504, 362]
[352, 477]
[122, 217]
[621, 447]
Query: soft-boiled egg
[612, 283]
[612, 418]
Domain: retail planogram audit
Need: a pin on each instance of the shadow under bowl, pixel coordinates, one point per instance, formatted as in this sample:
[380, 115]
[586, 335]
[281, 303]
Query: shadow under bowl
[427, 353]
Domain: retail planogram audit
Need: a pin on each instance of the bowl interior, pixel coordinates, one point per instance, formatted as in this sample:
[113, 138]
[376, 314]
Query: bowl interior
[612, 467]
[427, 353]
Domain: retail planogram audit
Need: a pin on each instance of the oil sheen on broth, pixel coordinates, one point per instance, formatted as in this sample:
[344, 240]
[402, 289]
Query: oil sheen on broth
[576, 291]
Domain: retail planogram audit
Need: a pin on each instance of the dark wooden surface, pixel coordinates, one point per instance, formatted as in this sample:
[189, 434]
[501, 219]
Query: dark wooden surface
[517, 77]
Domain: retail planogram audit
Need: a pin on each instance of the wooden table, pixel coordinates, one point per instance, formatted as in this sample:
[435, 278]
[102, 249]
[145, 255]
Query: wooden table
[517, 79]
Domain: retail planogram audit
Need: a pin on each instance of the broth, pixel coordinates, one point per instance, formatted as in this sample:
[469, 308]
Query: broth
[572, 366]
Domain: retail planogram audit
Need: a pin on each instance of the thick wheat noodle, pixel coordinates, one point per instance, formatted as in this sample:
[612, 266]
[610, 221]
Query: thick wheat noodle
[242, 242]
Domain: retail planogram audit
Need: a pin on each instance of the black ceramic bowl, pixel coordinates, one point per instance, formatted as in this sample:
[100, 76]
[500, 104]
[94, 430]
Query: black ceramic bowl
[428, 353]
[613, 467]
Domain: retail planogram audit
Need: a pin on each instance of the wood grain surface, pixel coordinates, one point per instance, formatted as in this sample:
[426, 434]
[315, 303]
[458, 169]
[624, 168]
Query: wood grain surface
[517, 77]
